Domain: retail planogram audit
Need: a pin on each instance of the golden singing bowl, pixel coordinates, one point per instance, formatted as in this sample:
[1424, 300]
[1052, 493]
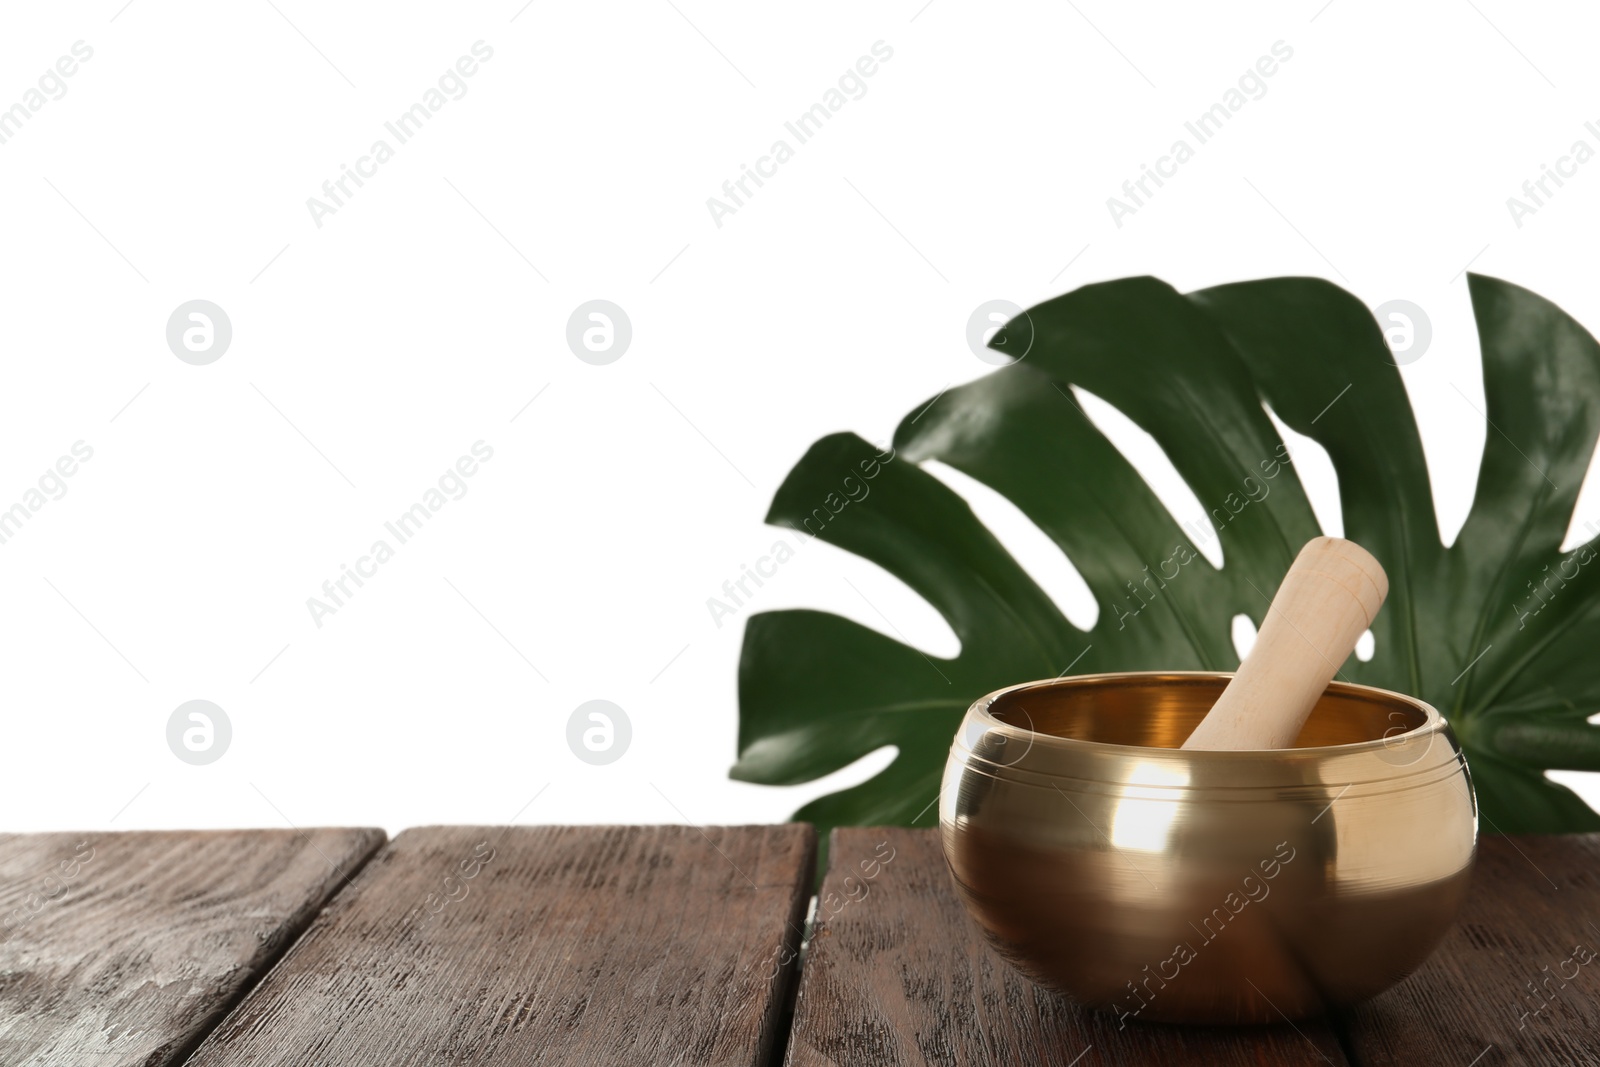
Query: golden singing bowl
[1206, 887]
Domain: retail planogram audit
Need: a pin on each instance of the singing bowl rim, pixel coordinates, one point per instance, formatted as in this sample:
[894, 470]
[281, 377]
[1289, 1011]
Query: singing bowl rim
[1022, 835]
[981, 712]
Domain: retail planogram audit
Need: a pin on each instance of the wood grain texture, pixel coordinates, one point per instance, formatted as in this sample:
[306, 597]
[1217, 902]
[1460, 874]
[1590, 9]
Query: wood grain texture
[541, 945]
[1510, 984]
[126, 948]
[896, 974]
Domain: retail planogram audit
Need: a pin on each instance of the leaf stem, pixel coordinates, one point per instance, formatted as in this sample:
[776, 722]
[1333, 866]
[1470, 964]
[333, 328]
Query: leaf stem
[1569, 746]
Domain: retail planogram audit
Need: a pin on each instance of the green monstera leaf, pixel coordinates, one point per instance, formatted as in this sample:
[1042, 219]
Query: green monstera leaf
[1500, 631]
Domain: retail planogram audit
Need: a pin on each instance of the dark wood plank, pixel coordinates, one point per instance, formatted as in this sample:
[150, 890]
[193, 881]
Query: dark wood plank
[899, 976]
[1518, 979]
[547, 945]
[122, 949]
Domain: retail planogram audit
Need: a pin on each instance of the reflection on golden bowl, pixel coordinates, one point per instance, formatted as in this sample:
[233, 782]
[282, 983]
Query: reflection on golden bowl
[1219, 887]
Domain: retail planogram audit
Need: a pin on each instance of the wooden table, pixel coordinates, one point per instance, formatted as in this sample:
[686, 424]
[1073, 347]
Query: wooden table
[670, 945]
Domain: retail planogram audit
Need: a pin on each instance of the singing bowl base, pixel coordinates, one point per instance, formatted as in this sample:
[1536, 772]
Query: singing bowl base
[1213, 887]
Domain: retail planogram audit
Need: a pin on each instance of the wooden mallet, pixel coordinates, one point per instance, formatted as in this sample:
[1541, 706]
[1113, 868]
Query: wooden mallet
[1327, 600]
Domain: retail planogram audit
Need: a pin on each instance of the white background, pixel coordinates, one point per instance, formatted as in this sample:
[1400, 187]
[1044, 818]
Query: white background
[416, 322]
